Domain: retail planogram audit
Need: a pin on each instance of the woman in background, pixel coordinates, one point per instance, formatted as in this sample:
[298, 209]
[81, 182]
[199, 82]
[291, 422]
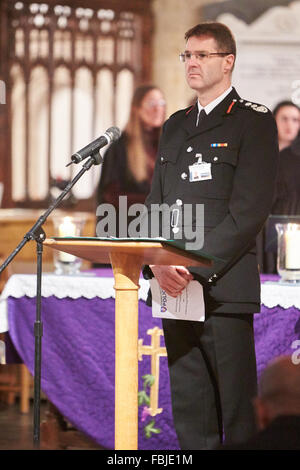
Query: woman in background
[129, 162]
[287, 194]
[287, 116]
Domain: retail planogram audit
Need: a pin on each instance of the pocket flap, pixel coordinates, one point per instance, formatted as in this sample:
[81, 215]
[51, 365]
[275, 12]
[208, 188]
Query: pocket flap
[221, 155]
[168, 154]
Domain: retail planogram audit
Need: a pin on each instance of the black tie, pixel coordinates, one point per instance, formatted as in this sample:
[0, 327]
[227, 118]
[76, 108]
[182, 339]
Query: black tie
[201, 117]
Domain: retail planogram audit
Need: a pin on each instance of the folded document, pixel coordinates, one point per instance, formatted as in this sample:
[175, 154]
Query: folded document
[189, 305]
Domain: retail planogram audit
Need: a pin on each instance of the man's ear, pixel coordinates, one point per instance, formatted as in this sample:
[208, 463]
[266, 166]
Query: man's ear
[229, 63]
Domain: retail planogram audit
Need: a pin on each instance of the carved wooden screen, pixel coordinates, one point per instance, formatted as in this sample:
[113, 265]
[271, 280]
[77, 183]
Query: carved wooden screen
[70, 69]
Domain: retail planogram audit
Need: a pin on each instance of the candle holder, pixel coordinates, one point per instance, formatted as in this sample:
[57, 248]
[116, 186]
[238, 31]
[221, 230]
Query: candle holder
[67, 226]
[288, 255]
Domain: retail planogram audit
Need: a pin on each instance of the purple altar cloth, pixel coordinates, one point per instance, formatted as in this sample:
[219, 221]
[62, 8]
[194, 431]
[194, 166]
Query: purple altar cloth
[78, 364]
[78, 359]
[275, 330]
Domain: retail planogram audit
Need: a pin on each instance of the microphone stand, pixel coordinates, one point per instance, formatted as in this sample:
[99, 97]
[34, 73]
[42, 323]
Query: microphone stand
[37, 233]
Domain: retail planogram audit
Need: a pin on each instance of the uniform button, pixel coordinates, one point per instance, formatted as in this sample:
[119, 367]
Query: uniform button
[213, 278]
[216, 159]
[183, 176]
[189, 149]
[161, 159]
[179, 202]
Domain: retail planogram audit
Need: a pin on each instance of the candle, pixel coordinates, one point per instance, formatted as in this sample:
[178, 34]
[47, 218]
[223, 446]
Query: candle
[66, 229]
[292, 250]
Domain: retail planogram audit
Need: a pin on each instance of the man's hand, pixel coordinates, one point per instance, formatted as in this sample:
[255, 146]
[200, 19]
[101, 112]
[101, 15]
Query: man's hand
[172, 279]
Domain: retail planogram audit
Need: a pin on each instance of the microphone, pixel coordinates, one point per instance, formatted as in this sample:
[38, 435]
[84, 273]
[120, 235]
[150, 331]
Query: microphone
[110, 135]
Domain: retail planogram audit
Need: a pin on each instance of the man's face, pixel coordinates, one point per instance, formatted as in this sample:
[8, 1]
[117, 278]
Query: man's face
[209, 72]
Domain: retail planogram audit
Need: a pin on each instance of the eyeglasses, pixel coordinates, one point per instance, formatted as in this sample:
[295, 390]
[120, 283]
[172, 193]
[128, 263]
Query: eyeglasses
[200, 56]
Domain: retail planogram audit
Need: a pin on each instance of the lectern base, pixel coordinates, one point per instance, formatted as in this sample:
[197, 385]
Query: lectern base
[126, 270]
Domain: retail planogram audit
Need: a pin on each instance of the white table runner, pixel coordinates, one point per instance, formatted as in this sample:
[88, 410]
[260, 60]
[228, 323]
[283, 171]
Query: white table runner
[83, 285]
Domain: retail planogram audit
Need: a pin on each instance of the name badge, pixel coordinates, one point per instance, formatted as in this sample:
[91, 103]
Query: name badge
[200, 172]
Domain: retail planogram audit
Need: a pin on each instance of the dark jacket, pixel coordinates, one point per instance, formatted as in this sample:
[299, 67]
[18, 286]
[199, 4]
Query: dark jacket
[287, 194]
[238, 198]
[116, 179]
[286, 203]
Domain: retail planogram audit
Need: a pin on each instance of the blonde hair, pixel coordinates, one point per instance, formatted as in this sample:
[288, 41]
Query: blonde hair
[136, 151]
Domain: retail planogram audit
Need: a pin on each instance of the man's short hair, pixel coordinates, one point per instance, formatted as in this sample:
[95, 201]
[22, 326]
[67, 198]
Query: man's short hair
[218, 31]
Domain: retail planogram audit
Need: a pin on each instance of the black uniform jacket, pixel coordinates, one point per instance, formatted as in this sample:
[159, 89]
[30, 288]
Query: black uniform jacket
[239, 139]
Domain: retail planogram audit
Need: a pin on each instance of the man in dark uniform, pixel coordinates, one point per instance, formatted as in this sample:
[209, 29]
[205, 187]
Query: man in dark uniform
[212, 363]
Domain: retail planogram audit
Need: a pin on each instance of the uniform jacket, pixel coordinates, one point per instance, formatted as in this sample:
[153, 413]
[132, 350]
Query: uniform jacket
[237, 199]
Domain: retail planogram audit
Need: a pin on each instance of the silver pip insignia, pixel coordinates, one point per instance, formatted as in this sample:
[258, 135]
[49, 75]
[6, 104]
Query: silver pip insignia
[262, 109]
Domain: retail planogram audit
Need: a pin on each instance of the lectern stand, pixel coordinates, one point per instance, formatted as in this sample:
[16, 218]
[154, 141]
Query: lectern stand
[127, 259]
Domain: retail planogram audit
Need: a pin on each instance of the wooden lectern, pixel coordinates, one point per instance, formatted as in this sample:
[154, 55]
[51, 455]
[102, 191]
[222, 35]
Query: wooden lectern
[127, 259]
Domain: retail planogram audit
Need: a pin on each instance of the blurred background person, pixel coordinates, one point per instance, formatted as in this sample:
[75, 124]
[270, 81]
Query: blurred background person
[287, 191]
[287, 116]
[287, 195]
[129, 163]
[277, 408]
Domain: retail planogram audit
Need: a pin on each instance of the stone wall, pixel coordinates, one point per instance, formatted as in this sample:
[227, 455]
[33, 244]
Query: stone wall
[172, 19]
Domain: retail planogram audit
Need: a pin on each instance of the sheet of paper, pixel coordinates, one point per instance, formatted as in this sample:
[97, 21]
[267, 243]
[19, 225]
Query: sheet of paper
[189, 305]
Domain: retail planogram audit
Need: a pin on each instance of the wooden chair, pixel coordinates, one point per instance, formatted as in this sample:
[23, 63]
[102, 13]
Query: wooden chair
[15, 379]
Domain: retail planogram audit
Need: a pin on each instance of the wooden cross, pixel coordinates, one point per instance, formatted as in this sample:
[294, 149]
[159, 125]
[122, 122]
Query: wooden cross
[155, 351]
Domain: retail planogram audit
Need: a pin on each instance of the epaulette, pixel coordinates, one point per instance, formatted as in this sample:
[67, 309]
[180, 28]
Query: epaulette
[259, 108]
[231, 108]
[189, 109]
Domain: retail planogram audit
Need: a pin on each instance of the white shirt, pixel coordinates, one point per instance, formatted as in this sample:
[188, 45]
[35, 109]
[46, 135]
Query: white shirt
[210, 106]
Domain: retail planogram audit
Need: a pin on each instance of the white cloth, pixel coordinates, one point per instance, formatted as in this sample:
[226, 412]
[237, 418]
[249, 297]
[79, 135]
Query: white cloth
[286, 296]
[18, 285]
[86, 286]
